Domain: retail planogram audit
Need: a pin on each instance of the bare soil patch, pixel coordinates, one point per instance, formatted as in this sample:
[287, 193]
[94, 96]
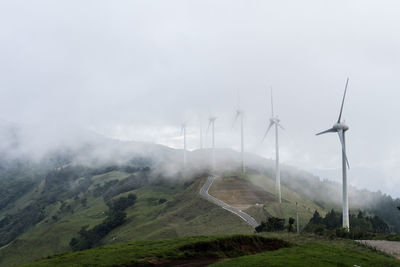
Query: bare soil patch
[239, 193]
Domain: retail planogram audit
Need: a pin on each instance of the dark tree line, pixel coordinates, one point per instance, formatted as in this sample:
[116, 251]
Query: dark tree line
[360, 225]
[115, 217]
[274, 224]
[327, 194]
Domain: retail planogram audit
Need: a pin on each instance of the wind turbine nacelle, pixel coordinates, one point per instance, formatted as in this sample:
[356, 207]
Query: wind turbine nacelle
[275, 120]
[340, 126]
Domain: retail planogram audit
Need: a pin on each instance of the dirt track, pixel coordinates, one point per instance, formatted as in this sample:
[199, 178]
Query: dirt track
[390, 247]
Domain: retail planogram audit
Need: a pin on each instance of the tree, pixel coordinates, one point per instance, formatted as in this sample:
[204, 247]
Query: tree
[360, 215]
[332, 220]
[316, 218]
[271, 225]
[291, 222]
[116, 217]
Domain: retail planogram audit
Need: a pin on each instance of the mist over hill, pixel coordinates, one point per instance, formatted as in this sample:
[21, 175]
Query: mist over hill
[68, 181]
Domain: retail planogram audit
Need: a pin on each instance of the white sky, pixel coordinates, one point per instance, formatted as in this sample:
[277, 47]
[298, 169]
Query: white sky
[134, 70]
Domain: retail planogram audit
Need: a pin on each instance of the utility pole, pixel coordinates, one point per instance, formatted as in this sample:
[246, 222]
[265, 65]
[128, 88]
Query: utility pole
[297, 219]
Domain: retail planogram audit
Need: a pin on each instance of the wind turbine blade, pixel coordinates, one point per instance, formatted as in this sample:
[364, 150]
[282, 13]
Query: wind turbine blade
[208, 127]
[331, 130]
[280, 125]
[272, 104]
[344, 96]
[182, 130]
[266, 132]
[236, 117]
[341, 137]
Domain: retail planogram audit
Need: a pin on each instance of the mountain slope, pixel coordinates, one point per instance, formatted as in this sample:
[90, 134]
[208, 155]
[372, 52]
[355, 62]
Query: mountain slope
[47, 201]
[163, 209]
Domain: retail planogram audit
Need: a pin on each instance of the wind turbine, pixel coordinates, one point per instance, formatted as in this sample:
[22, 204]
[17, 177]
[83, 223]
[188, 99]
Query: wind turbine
[211, 122]
[340, 128]
[240, 113]
[275, 121]
[183, 132]
[201, 134]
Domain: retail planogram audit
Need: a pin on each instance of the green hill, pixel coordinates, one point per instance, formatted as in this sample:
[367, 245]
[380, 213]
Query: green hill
[45, 204]
[163, 209]
[237, 250]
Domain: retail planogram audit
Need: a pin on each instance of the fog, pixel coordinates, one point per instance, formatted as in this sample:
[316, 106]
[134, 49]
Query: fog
[135, 70]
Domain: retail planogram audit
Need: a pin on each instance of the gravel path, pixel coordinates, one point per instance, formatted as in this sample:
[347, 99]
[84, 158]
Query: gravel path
[390, 247]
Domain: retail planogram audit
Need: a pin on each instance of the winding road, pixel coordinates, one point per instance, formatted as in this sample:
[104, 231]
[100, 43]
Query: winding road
[204, 192]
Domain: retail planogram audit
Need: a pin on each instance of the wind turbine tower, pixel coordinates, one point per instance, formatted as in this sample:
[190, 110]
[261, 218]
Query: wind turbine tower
[275, 121]
[183, 132]
[240, 114]
[341, 128]
[201, 135]
[211, 122]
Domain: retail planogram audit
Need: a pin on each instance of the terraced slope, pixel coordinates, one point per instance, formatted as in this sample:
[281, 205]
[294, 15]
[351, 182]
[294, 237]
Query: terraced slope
[255, 195]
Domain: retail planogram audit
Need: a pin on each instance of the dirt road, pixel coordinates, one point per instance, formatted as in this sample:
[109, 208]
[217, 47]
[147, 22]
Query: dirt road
[390, 247]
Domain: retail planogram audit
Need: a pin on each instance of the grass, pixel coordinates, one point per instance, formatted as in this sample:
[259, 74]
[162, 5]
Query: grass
[185, 213]
[191, 248]
[269, 249]
[288, 206]
[315, 254]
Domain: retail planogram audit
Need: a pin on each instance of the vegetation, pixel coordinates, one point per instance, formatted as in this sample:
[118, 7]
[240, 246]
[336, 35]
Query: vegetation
[272, 224]
[166, 251]
[59, 201]
[360, 226]
[327, 194]
[314, 254]
[164, 208]
[268, 249]
[116, 217]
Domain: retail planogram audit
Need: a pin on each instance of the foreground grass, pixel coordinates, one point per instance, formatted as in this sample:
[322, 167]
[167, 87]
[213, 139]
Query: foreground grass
[314, 250]
[314, 254]
[239, 250]
[132, 253]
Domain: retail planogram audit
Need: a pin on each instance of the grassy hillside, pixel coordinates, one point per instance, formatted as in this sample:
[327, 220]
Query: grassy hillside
[163, 210]
[56, 203]
[314, 254]
[255, 195]
[238, 250]
[168, 251]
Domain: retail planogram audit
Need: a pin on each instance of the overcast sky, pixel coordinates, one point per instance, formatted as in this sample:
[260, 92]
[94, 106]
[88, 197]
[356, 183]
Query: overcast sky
[135, 70]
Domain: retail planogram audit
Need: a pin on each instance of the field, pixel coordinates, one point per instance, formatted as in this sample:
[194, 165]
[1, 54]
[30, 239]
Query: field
[279, 249]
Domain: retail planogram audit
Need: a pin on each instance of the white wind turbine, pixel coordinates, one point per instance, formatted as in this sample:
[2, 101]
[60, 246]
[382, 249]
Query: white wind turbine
[340, 128]
[211, 122]
[240, 113]
[183, 132]
[275, 121]
[201, 134]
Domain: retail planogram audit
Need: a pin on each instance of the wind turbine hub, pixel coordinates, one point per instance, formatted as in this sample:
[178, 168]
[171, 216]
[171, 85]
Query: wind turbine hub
[275, 120]
[340, 126]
